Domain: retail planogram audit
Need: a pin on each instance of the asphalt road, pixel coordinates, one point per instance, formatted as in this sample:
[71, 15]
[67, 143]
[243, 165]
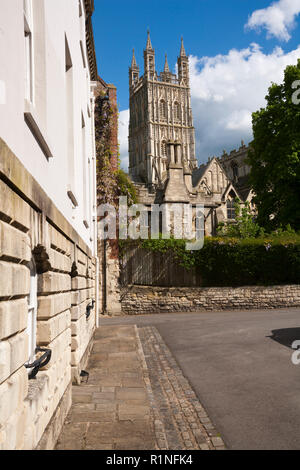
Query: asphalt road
[239, 364]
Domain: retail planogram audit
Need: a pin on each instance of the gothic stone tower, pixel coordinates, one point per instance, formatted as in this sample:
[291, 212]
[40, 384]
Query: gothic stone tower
[160, 114]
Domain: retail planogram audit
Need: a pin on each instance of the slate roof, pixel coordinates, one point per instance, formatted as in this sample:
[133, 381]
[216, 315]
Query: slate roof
[197, 174]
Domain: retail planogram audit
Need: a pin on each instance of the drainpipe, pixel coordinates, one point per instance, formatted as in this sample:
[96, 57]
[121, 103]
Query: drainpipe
[95, 218]
[104, 278]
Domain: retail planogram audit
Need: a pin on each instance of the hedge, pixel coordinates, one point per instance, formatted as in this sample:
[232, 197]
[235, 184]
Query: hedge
[236, 262]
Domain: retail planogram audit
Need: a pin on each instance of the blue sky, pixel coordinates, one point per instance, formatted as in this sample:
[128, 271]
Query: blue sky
[232, 65]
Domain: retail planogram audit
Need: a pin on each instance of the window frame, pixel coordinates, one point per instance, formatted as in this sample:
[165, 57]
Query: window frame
[163, 110]
[231, 215]
[28, 47]
[163, 148]
[177, 110]
[235, 171]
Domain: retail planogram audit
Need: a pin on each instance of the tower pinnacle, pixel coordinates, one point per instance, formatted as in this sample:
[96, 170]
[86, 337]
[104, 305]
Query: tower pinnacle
[182, 50]
[166, 69]
[133, 62]
[149, 45]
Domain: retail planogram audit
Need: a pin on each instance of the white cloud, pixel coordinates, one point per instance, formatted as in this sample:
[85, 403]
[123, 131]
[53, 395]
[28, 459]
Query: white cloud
[123, 138]
[278, 19]
[226, 90]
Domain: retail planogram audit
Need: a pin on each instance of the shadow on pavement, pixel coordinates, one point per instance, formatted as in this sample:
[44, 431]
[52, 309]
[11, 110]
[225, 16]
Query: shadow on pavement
[286, 337]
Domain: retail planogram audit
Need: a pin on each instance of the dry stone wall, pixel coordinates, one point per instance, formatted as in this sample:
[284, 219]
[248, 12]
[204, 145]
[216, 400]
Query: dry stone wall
[142, 300]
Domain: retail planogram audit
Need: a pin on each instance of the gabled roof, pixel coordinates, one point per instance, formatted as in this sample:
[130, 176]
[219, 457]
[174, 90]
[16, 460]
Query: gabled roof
[200, 172]
[229, 188]
[245, 193]
[197, 174]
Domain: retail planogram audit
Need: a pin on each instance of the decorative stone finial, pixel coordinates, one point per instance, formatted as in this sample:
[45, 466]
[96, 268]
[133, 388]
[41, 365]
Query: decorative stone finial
[166, 69]
[182, 50]
[149, 45]
[133, 62]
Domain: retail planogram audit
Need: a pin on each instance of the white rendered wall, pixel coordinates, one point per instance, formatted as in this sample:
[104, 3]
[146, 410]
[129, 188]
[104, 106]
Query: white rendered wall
[53, 20]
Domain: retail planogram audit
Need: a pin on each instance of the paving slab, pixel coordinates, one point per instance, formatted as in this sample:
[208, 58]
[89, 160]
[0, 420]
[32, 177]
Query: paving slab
[136, 398]
[240, 365]
[112, 410]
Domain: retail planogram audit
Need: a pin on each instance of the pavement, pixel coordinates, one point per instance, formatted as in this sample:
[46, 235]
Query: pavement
[111, 409]
[135, 398]
[239, 365]
[210, 380]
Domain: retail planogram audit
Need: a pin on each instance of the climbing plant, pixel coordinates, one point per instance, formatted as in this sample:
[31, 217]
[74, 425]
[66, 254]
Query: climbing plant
[111, 183]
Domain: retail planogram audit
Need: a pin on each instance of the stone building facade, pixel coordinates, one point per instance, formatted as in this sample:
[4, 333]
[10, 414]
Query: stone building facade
[236, 166]
[160, 111]
[48, 225]
[162, 154]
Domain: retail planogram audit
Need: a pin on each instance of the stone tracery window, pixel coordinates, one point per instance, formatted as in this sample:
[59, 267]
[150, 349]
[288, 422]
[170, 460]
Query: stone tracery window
[235, 170]
[176, 111]
[231, 209]
[163, 110]
[163, 148]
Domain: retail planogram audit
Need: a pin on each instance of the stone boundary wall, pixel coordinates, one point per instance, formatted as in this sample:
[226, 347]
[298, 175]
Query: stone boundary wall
[33, 230]
[143, 300]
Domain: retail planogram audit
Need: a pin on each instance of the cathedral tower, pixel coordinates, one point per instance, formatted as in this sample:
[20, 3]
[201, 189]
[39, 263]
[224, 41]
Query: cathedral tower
[160, 114]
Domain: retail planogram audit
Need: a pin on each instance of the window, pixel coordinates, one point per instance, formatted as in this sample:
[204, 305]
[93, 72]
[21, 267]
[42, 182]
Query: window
[176, 111]
[151, 67]
[231, 209]
[32, 314]
[163, 110]
[163, 149]
[85, 182]
[235, 171]
[70, 123]
[135, 78]
[28, 42]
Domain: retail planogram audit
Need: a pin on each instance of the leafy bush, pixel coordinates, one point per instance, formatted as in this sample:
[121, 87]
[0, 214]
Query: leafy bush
[249, 262]
[126, 187]
[238, 262]
[244, 226]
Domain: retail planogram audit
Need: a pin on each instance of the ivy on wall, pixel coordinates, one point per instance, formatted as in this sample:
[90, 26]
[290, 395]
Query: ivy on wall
[110, 183]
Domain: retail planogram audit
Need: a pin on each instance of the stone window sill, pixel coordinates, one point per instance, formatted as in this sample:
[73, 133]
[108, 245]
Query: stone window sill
[39, 133]
[72, 197]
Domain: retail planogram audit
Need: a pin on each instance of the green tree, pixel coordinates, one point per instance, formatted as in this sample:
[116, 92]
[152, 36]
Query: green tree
[275, 155]
[245, 225]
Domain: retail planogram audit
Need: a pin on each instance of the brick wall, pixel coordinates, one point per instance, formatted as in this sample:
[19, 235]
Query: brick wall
[32, 228]
[112, 93]
[139, 299]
